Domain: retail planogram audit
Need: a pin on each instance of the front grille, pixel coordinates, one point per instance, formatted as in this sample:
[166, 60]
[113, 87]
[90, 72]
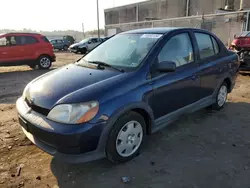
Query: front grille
[36, 108]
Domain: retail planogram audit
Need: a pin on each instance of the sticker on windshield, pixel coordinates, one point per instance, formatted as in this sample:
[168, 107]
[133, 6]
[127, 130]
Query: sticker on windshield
[151, 36]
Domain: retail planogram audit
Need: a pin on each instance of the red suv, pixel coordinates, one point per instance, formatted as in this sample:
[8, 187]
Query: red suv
[26, 49]
[242, 42]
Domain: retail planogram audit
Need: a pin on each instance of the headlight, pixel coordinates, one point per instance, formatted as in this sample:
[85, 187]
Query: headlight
[74, 113]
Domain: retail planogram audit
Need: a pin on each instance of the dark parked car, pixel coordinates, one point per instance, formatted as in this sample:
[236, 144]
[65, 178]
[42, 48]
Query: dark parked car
[130, 86]
[69, 38]
[59, 44]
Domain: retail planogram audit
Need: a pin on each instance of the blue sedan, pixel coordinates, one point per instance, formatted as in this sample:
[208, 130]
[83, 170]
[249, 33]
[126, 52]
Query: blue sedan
[130, 86]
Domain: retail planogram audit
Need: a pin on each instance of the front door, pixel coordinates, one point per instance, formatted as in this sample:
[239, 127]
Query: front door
[175, 90]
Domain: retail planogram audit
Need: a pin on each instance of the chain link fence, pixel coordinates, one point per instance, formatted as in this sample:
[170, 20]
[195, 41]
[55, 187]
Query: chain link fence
[224, 25]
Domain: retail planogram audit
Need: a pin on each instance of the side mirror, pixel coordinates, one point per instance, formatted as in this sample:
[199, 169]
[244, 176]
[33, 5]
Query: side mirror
[89, 42]
[166, 66]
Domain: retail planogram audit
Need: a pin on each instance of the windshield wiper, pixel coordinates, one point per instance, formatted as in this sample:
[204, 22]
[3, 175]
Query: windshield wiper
[100, 63]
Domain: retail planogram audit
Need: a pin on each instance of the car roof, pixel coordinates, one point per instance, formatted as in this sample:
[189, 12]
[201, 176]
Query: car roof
[21, 33]
[160, 30]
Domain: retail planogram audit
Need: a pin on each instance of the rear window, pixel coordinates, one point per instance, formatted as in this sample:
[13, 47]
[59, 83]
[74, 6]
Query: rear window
[45, 39]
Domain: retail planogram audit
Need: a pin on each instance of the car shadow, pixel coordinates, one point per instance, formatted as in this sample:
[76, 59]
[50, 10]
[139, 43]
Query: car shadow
[13, 82]
[191, 151]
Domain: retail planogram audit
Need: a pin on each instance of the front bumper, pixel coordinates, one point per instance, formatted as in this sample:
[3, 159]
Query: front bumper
[53, 58]
[71, 143]
[73, 50]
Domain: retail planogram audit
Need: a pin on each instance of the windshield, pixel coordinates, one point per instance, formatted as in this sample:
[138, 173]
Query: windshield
[244, 34]
[84, 40]
[124, 50]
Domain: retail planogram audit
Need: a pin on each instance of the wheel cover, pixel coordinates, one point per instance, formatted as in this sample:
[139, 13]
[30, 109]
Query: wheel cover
[129, 139]
[45, 62]
[222, 96]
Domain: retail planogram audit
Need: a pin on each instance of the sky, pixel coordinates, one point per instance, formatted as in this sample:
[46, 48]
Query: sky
[52, 15]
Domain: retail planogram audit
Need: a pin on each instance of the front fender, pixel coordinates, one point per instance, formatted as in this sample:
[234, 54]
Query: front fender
[118, 113]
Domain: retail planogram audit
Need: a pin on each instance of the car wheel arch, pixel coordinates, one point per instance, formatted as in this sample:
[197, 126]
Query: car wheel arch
[226, 79]
[141, 108]
[229, 83]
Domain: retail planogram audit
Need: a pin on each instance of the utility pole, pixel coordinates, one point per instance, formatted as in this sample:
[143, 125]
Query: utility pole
[83, 30]
[241, 4]
[97, 4]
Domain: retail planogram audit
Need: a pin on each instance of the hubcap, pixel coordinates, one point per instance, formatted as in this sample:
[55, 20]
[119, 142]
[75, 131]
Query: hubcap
[45, 62]
[129, 138]
[222, 95]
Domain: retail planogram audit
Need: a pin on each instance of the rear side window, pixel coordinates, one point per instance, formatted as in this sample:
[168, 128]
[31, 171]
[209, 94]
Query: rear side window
[45, 39]
[22, 40]
[216, 46]
[205, 44]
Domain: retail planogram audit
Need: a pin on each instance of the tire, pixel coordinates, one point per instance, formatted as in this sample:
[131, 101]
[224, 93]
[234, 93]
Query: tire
[221, 97]
[126, 138]
[65, 48]
[33, 66]
[83, 50]
[44, 62]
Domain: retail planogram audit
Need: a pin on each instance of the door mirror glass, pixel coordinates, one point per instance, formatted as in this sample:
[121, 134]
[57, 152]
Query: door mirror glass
[166, 66]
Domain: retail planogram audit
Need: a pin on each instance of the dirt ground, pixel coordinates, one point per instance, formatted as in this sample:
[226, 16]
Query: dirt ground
[203, 150]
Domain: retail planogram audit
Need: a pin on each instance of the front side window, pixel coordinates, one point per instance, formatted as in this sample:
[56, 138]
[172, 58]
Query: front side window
[53, 42]
[124, 50]
[94, 40]
[59, 41]
[205, 45]
[178, 49]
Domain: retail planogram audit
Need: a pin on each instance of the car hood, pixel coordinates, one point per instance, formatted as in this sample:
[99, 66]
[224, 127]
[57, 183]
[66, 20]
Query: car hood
[77, 44]
[49, 88]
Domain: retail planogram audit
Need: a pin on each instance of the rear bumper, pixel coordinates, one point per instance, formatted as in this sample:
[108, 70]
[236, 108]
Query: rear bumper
[70, 143]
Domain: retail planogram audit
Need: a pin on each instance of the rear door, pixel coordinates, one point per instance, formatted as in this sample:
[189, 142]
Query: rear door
[211, 62]
[175, 90]
[28, 46]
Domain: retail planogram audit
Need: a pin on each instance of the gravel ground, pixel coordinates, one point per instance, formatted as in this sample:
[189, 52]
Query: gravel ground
[207, 149]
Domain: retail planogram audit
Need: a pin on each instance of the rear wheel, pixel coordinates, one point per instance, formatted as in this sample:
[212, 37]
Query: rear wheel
[65, 48]
[126, 137]
[44, 62]
[221, 97]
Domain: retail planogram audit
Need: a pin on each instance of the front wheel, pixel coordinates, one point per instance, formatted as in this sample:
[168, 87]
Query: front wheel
[44, 62]
[83, 50]
[125, 138]
[221, 97]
